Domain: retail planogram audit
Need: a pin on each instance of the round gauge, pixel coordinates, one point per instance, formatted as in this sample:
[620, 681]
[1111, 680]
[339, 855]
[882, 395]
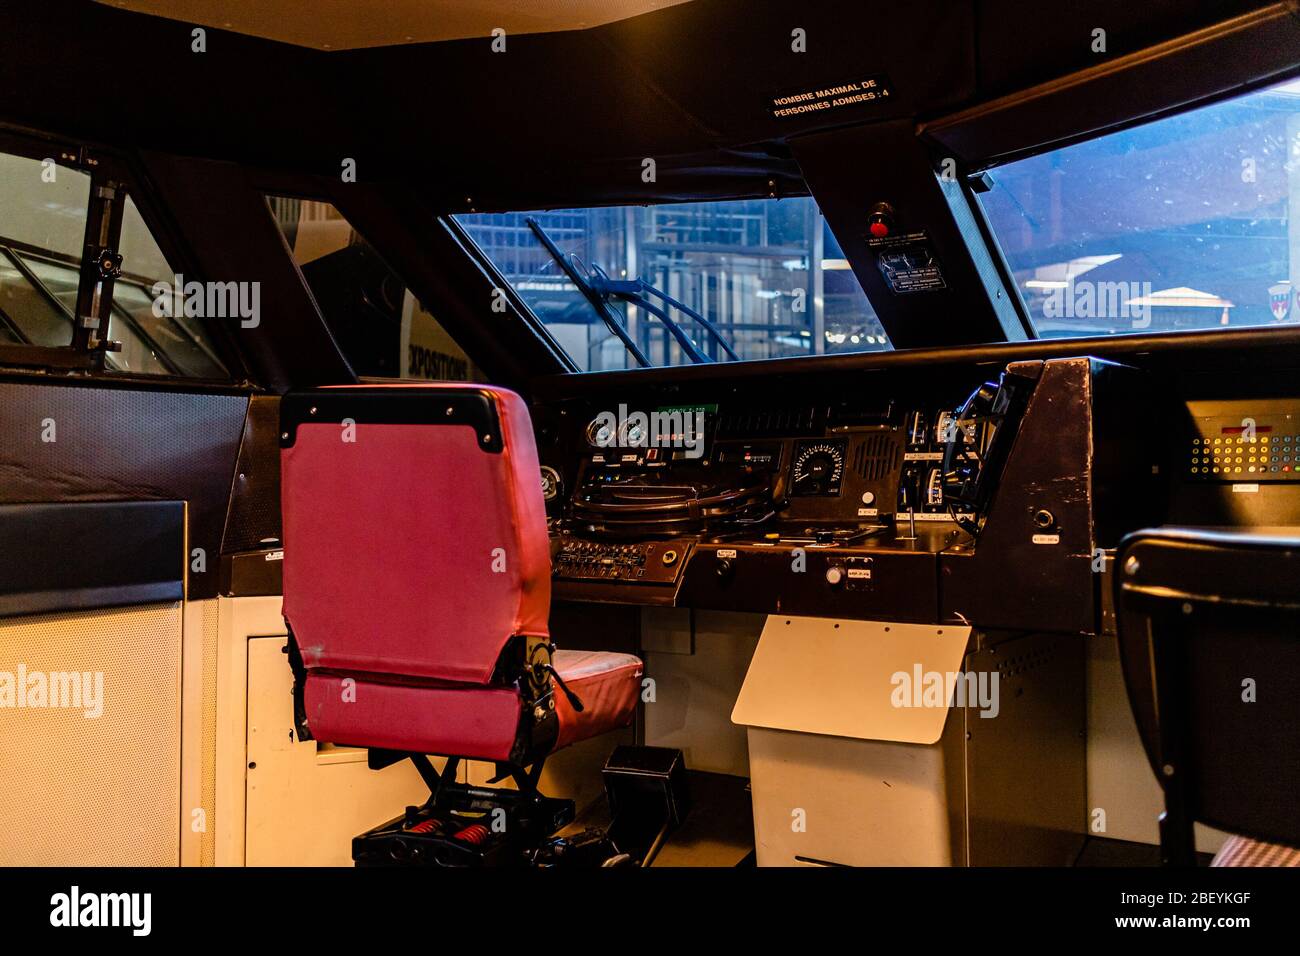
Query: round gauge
[818, 468]
[631, 435]
[601, 432]
[550, 483]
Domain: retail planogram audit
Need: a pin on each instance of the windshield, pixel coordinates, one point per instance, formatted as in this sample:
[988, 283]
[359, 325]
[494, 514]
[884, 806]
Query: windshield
[1179, 224]
[718, 281]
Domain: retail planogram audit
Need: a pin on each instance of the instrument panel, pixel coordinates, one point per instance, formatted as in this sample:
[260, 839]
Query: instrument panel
[646, 486]
[1262, 445]
[936, 494]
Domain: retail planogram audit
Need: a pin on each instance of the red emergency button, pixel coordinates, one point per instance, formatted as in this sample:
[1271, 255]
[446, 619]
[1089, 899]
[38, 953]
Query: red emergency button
[880, 222]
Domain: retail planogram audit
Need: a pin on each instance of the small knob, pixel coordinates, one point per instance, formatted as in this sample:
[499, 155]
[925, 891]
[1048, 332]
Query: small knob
[834, 575]
[724, 568]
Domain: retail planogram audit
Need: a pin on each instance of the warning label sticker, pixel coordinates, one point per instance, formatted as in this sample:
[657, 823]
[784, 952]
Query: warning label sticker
[908, 262]
[831, 97]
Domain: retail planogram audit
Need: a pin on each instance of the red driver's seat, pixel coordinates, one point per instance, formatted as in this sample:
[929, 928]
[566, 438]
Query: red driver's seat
[417, 579]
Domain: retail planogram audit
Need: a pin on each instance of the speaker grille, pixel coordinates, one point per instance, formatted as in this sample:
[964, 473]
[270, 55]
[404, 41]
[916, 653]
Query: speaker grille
[101, 791]
[876, 455]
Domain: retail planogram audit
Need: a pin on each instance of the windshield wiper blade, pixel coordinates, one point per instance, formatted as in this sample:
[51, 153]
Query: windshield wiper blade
[634, 291]
[589, 293]
[638, 292]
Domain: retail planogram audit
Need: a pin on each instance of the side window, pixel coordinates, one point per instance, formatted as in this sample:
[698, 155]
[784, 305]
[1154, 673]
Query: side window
[45, 207]
[43, 210]
[383, 330]
[149, 335]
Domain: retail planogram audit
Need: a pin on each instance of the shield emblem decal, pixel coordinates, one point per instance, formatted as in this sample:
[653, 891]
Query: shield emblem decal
[1279, 300]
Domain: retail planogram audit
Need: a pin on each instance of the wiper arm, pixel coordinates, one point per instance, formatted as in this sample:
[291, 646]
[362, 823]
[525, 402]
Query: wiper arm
[633, 291]
[638, 292]
[589, 293]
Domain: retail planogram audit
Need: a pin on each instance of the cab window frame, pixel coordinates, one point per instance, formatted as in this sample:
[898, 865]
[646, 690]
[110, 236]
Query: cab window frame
[106, 170]
[271, 187]
[975, 178]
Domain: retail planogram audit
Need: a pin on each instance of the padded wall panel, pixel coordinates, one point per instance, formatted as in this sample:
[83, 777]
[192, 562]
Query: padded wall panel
[124, 444]
[92, 790]
[77, 556]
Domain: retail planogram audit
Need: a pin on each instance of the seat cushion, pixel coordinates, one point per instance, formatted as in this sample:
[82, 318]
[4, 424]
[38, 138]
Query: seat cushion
[466, 721]
[606, 683]
[476, 722]
[1243, 851]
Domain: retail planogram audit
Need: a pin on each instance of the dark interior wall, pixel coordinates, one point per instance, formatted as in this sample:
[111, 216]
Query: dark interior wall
[253, 520]
[124, 444]
[1021, 44]
[559, 117]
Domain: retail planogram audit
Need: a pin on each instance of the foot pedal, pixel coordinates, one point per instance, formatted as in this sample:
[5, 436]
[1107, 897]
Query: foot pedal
[648, 798]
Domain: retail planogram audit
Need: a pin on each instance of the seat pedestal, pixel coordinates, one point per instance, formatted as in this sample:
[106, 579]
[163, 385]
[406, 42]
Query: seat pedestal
[465, 826]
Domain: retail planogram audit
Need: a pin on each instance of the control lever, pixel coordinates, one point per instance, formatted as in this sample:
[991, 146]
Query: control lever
[911, 515]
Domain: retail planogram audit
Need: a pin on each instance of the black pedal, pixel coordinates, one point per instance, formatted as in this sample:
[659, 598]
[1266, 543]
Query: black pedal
[648, 797]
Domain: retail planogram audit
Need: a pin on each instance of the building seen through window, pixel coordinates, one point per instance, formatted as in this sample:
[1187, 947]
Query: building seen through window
[1185, 223]
[765, 274]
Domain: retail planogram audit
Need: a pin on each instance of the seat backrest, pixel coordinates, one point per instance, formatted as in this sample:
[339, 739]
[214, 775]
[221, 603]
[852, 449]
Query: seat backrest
[415, 539]
[1209, 631]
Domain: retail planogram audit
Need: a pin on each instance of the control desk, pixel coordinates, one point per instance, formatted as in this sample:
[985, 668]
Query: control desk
[986, 495]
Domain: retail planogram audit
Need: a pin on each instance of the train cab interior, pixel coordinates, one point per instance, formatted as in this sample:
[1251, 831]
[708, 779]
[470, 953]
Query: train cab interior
[693, 433]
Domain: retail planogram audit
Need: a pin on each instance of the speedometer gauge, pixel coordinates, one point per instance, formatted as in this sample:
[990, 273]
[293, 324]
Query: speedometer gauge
[818, 469]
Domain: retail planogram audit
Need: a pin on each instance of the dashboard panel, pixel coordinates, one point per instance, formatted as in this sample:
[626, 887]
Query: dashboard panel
[988, 494]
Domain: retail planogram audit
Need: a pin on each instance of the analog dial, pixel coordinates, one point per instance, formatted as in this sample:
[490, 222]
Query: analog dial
[551, 483]
[632, 435]
[818, 468]
[600, 433]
